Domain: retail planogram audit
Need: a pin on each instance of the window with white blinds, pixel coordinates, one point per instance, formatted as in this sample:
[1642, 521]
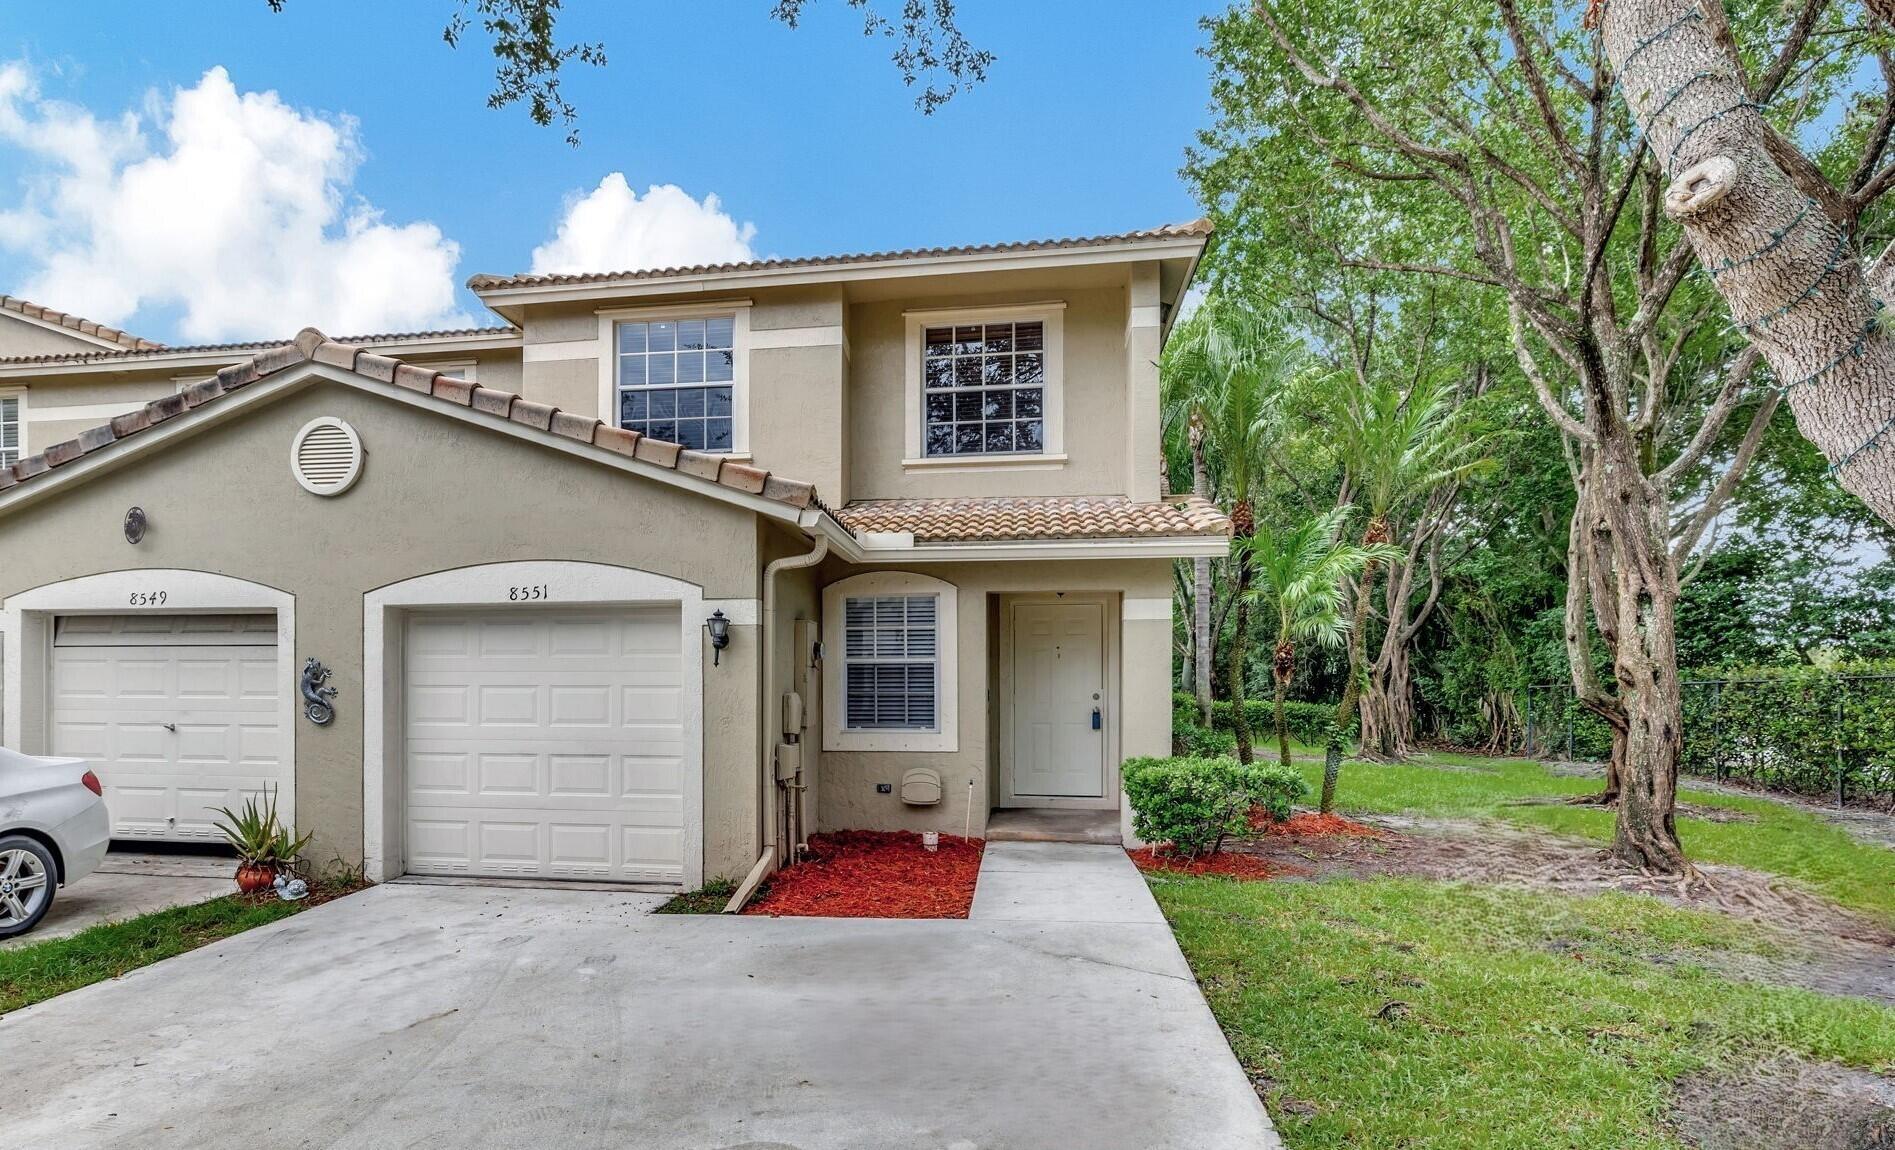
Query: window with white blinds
[12, 433]
[891, 662]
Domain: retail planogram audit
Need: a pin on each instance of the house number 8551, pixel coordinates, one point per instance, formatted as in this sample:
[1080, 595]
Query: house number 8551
[536, 591]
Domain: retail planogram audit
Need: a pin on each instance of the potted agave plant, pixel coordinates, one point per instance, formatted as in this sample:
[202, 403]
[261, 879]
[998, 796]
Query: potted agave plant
[264, 846]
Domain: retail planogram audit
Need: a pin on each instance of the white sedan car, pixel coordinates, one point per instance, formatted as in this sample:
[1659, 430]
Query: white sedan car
[53, 831]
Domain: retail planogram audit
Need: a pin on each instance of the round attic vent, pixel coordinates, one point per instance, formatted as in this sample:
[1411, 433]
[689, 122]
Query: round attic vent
[326, 457]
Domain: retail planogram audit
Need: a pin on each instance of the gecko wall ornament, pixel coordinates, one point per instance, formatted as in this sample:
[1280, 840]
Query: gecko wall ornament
[317, 697]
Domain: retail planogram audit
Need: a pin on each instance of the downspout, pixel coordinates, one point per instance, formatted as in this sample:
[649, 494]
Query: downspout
[766, 723]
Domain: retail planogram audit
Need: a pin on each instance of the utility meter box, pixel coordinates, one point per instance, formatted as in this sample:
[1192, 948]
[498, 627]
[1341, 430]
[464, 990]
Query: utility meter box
[921, 787]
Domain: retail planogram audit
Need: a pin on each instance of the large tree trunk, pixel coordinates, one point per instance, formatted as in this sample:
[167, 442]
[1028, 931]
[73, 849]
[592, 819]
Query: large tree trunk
[1388, 709]
[1201, 590]
[1285, 656]
[1239, 722]
[1633, 585]
[1795, 284]
[1352, 686]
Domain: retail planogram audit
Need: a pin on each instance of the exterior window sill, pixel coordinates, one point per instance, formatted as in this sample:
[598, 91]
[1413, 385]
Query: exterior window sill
[985, 462]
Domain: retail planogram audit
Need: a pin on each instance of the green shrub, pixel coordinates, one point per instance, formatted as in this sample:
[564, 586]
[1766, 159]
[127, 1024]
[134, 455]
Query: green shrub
[1308, 723]
[1195, 804]
[1194, 742]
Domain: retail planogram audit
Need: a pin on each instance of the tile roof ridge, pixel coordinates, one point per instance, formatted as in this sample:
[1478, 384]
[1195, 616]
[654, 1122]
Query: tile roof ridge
[78, 323]
[311, 346]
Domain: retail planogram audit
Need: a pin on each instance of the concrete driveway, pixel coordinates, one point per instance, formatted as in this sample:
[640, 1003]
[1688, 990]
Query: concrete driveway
[1061, 1014]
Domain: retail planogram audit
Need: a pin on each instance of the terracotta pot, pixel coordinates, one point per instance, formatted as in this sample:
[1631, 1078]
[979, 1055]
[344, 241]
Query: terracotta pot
[255, 877]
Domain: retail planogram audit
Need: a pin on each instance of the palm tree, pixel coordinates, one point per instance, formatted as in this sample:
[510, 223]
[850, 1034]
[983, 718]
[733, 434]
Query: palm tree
[1221, 374]
[1396, 445]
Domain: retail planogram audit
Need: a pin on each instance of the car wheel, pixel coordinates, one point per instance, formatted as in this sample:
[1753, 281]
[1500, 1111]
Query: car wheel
[28, 879]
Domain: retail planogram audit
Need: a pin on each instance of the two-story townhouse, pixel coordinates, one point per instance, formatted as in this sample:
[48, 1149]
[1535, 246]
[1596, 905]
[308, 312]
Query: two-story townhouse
[699, 561]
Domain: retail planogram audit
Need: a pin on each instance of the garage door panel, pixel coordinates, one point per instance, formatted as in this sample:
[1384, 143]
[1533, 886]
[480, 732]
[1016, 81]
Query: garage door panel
[508, 775]
[508, 705]
[537, 741]
[573, 705]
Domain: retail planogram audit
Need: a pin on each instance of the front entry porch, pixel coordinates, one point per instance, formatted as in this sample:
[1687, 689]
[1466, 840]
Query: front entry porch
[1053, 825]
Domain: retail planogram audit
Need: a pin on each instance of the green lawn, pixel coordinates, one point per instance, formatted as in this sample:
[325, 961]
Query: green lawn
[1408, 1013]
[1781, 840]
[1402, 1013]
[29, 974]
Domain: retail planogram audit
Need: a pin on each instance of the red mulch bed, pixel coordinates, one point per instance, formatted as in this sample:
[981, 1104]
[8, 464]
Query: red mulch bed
[1309, 824]
[1226, 863]
[875, 874]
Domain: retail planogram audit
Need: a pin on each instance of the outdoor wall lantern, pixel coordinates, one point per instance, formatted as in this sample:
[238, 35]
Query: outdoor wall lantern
[135, 524]
[719, 627]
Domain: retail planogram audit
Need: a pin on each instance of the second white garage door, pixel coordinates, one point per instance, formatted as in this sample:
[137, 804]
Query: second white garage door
[545, 744]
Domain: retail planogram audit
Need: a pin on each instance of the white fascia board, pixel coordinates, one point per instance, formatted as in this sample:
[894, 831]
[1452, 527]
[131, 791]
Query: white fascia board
[962, 263]
[296, 377]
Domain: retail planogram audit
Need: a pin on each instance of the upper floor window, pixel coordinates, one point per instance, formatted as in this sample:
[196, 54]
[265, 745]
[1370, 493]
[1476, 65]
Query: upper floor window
[985, 386]
[677, 380]
[12, 430]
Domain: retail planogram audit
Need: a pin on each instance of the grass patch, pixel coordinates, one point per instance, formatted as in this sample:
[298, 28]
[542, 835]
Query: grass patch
[1400, 1012]
[707, 899]
[1777, 839]
[36, 972]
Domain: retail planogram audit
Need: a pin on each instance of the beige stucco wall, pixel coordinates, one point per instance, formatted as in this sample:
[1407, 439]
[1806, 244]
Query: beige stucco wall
[436, 493]
[1095, 408]
[847, 779]
[19, 336]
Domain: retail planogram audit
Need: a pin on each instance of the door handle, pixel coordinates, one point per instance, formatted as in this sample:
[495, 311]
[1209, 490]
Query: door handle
[173, 727]
[1095, 718]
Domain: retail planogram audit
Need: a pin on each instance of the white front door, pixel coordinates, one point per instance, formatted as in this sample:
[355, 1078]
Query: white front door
[178, 714]
[1059, 700]
[547, 744]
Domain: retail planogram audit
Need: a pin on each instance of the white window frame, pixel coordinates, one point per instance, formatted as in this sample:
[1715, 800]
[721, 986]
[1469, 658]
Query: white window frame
[610, 318]
[946, 736]
[467, 369]
[1052, 315]
[19, 393]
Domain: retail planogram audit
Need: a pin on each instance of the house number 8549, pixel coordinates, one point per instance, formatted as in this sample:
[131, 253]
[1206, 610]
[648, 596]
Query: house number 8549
[535, 591]
[148, 598]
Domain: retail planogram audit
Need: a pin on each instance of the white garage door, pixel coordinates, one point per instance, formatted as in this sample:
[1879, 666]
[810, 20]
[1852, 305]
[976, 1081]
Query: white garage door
[545, 744]
[178, 714]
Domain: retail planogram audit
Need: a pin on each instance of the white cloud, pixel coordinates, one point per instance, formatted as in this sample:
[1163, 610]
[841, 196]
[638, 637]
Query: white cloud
[232, 209]
[611, 229]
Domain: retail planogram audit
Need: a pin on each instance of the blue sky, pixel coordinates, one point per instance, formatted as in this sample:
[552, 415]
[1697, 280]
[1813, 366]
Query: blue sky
[808, 135]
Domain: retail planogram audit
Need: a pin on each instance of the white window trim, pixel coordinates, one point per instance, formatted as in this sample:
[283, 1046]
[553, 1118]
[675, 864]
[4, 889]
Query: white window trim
[19, 393]
[572, 584]
[467, 369]
[609, 319]
[1053, 442]
[947, 736]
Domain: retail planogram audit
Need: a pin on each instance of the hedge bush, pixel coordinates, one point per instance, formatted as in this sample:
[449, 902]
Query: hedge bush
[1308, 723]
[1194, 804]
[1804, 730]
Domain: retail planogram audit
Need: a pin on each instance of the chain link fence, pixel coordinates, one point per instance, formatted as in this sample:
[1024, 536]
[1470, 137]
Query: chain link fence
[1798, 731]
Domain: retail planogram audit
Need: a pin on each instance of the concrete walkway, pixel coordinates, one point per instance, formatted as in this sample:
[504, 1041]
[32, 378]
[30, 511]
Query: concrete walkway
[1060, 1015]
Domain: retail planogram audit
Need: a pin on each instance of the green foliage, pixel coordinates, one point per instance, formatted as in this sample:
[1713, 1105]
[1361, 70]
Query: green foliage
[1308, 723]
[259, 836]
[710, 898]
[1195, 804]
[1805, 730]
